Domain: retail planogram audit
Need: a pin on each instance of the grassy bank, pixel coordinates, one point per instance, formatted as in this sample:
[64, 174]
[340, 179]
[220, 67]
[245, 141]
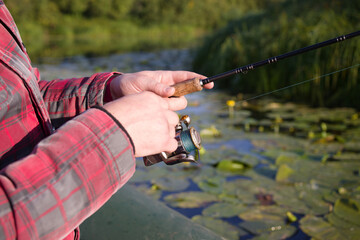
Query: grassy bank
[103, 37]
[70, 27]
[284, 26]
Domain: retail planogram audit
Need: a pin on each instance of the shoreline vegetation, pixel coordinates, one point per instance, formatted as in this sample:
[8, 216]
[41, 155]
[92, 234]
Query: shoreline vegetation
[224, 35]
[87, 27]
[282, 27]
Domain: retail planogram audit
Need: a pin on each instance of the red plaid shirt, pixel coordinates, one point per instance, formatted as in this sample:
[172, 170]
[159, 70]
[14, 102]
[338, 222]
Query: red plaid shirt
[51, 181]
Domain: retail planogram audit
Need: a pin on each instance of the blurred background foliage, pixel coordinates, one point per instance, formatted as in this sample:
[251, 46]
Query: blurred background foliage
[226, 34]
[282, 27]
[99, 27]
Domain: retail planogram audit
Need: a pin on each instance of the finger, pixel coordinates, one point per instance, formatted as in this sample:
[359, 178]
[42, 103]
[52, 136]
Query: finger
[176, 104]
[209, 85]
[172, 119]
[160, 89]
[171, 146]
[169, 91]
[172, 131]
[180, 76]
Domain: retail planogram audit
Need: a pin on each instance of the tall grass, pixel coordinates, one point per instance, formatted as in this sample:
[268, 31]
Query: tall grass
[282, 27]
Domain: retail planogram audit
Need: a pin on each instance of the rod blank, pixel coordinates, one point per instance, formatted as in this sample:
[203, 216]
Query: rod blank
[252, 66]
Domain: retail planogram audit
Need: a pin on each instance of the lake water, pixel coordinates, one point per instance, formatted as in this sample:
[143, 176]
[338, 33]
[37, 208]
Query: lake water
[273, 170]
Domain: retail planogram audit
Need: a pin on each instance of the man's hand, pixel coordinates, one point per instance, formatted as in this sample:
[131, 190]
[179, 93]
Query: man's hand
[149, 119]
[154, 81]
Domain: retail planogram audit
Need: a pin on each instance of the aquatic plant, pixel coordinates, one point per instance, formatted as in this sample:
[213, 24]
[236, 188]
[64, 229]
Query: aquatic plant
[286, 186]
[231, 105]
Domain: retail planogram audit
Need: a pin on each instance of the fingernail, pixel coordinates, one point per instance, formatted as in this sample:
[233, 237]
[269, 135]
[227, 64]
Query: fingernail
[168, 89]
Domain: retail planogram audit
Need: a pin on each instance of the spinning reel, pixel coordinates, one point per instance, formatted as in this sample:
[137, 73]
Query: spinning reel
[188, 140]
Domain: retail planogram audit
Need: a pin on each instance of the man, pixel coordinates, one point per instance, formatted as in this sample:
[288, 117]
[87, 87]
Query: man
[51, 180]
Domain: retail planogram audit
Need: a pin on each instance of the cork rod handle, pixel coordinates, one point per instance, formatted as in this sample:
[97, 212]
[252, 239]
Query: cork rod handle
[186, 87]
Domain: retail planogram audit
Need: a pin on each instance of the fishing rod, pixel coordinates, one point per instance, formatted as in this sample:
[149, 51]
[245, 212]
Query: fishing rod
[196, 84]
[188, 138]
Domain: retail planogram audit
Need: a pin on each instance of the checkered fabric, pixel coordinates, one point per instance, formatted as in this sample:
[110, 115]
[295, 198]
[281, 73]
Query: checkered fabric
[52, 180]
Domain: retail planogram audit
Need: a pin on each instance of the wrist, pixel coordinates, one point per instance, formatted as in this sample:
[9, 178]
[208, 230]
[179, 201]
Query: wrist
[107, 92]
[113, 87]
[118, 124]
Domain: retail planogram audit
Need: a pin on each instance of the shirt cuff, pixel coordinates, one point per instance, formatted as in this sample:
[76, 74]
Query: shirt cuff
[107, 92]
[97, 89]
[118, 123]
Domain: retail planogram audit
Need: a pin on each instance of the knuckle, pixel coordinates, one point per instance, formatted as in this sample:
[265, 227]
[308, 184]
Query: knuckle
[151, 97]
[178, 103]
[184, 102]
[171, 144]
[172, 133]
[173, 118]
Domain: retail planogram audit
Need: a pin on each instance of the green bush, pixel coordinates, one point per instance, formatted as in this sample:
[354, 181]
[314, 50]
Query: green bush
[34, 35]
[138, 24]
[121, 9]
[22, 10]
[76, 7]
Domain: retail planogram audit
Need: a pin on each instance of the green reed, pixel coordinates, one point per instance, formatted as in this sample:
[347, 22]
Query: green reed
[283, 27]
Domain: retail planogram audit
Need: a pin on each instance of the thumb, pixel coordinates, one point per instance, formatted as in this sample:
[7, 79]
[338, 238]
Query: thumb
[161, 89]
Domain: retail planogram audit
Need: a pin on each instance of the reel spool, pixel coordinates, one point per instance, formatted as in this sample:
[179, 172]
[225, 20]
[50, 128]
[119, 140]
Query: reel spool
[188, 140]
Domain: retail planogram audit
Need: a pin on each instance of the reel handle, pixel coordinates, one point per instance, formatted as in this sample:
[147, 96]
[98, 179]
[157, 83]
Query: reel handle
[186, 87]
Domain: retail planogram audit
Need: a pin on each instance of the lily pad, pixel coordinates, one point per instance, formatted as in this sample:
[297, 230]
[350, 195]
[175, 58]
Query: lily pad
[319, 228]
[299, 126]
[148, 174]
[251, 121]
[348, 209]
[190, 199]
[249, 160]
[231, 166]
[262, 227]
[211, 131]
[220, 227]
[214, 156]
[308, 118]
[287, 198]
[212, 185]
[353, 146]
[336, 127]
[347, 157]
[205, 173]
[282, 115]
[340, 223]
[232, 189]
[331, 196]
[271, 213]
[171, 184]
[286, 157]
[312, 196]
[283, 233]
[284, 173]
[152, 192]
[265, 123]
[224, 210]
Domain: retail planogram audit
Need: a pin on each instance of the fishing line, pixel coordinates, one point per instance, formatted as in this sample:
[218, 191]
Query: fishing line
[299, 83]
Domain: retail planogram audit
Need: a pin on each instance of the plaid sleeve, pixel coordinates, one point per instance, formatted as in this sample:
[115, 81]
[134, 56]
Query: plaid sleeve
[67, 177]
[66, 98]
